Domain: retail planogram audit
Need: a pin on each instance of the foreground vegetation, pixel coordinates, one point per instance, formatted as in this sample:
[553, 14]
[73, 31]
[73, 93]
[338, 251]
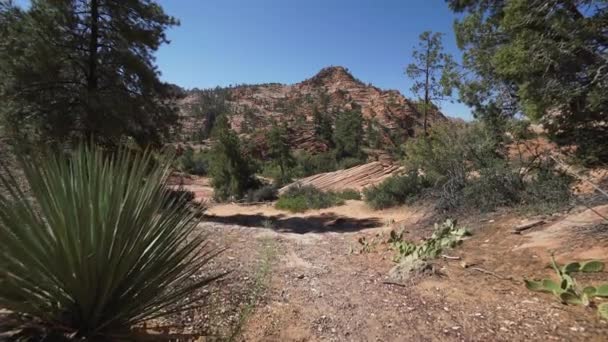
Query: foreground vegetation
[96, 244]
[568, 291]
[299, 198]
[466, 166]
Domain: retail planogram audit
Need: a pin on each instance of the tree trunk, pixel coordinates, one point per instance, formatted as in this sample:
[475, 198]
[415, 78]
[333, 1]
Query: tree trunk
[92, 77]
[92, 82]
[426, 86]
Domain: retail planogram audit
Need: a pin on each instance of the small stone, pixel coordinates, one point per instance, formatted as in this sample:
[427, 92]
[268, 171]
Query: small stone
[300, 276]
[455, 327]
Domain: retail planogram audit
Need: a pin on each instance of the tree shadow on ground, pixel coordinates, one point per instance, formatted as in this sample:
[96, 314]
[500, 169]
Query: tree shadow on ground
[300, 225]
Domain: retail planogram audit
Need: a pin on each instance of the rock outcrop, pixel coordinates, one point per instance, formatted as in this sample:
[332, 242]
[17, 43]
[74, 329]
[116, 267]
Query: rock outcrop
[253, 108]
[356, 178]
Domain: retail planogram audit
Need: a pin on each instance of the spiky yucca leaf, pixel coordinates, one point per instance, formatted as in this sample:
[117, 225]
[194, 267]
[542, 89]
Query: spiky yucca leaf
[92, 247]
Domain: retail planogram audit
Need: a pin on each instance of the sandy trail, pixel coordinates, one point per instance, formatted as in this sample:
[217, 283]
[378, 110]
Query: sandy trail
[318, 287]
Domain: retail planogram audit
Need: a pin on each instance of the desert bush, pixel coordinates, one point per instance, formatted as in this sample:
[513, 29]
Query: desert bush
[497, 185]
[195, 163]
[547, 190]
[469, 166]
[395, 190]
[264, 193]
[299, 198]
[93, 249]
[349, 194]
[310, 164]
[348, 162]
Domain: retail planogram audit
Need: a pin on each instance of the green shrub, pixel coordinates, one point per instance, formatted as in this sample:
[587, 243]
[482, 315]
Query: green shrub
[311, 164]
[395, 190]
[349, 194]
[308, 164]
[301, 198]
[548, 190]
[497, 185]
[348, 162]
[469, 166]
[195, 163]
[92, 248]
[264, 193]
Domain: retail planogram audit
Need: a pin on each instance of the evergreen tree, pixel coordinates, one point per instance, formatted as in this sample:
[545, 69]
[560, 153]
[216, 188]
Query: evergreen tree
[431, 72]
[84, 68]
[547, 59]
[322, 126]
[279, 151]
[348, 135]
[372, 134]
[232, 173]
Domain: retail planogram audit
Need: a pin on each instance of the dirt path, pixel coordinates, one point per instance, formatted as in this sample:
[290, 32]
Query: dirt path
[296, 284]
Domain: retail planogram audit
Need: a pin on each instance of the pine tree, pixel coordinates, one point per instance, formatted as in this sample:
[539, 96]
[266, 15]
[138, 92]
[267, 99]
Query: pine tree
[372, 135]
[232, 173]
[431, 72]
[84, 68]
[322, 127]
[348, 135]
[279, 151]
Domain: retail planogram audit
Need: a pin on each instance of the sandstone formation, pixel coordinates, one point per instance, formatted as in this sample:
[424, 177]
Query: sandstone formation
[356, 178]
[253, 108]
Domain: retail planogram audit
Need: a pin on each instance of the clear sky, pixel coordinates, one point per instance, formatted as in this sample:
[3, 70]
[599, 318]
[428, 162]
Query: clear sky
[225, 42]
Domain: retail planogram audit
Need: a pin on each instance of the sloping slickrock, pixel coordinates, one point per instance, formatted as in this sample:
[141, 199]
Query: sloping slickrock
[355, 178]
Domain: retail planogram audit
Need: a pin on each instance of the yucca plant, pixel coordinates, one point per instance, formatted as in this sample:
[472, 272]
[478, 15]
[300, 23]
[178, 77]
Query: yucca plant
[90, 247]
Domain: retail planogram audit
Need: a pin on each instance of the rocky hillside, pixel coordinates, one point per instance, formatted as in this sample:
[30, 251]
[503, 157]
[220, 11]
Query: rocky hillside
[252, 109]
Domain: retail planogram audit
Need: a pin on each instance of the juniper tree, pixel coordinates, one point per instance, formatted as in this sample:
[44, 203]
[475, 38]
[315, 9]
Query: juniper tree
[546, 59]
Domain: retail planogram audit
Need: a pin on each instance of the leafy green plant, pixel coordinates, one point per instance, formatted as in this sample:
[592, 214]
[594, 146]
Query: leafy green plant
[395, 190]
[264, 193]
[299, 198]
[91, 248]
[349, 194]
[195, 163]
[446, 235]
[566, 288]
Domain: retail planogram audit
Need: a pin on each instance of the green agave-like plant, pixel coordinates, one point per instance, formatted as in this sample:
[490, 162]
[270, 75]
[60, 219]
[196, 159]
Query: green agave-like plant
[92, 247]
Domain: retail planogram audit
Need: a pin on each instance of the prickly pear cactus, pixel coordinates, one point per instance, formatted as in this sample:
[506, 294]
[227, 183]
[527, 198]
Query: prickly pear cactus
[567, 290]
[602, 311]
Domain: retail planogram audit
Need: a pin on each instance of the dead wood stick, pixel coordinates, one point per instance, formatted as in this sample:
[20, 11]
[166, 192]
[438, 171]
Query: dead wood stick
[479, 269]
[393, 283]
[526, 226]
[450, 257]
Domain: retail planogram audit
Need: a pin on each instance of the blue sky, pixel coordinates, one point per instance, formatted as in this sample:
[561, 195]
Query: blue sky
[224, 42]
[243, 41]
